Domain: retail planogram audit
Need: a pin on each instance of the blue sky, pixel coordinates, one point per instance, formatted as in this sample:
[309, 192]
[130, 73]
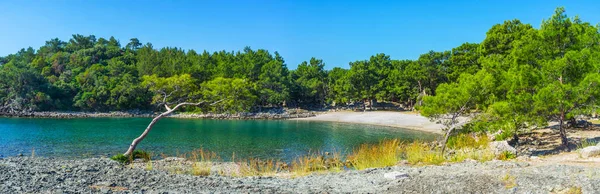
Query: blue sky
[336, 31]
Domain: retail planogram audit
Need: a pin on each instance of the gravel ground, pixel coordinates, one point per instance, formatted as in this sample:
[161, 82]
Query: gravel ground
[101, 175]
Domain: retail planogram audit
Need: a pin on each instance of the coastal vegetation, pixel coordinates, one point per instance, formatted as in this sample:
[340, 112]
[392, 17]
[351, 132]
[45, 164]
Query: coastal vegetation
[87, 73]
[527, 78]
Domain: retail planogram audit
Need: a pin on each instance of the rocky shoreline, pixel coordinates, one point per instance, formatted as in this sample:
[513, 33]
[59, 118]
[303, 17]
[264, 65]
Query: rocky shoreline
[102, 175]
[121, 114]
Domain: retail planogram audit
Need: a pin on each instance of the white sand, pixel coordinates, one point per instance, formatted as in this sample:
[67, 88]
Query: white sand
[384, 118]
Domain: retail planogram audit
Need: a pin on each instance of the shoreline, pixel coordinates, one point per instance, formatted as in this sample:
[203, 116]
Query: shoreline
[146, 114]
[404, 120]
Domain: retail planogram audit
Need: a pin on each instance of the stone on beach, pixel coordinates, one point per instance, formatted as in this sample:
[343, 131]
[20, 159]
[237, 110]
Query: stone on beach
[395, 175]
[590, 151]
[498, 147]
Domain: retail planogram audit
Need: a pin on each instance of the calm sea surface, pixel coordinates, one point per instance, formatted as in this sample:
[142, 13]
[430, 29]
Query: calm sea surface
[283, 139]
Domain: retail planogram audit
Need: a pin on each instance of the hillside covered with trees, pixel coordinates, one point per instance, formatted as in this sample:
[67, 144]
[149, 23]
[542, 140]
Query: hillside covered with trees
[516, 72]
[526, 77]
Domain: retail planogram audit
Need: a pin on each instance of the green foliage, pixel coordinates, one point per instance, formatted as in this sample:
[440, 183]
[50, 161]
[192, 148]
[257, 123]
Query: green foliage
[120, 158]
[137, 154]
[506, 155]
[527, 78]
[237, 94]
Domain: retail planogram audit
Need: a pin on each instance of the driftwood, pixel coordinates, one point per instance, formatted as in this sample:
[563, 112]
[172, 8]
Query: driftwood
[136, 141]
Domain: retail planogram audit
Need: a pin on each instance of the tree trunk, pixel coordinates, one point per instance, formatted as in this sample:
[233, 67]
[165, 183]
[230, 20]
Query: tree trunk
[563, 131]
[136, 141]
[446, 139]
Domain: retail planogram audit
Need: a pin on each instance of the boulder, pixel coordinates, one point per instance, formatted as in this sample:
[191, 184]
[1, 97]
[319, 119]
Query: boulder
[498, 147]
[590, 151]
[395, 175]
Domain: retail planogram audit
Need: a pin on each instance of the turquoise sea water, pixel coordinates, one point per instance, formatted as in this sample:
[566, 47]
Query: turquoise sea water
[279, 139]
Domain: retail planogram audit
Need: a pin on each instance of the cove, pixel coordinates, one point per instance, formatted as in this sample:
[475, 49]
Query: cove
[265, 139]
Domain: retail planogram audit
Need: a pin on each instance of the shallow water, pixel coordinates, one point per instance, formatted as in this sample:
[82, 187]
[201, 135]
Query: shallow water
[277, 139]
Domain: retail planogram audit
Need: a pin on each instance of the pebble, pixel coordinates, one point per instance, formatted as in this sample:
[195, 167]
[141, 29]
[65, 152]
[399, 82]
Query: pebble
[395, 175]
[27, 175]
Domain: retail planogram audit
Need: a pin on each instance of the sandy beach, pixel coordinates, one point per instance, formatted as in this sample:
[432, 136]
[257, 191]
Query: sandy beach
[386, 118]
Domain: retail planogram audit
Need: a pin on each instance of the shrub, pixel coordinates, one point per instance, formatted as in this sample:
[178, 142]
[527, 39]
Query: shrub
[135, 155]
[141, 154]
[121, 158]
[506, 155]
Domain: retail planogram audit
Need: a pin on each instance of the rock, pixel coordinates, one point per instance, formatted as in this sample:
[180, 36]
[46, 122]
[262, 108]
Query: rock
[492, 136]
[394, 175]
[499, 147]
[590, 151]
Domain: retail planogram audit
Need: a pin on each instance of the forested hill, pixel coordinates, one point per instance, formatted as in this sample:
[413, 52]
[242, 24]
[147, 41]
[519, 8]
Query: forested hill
[98, 74]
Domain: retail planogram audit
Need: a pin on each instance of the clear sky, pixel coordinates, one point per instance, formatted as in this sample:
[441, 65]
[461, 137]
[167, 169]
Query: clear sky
[336, 31]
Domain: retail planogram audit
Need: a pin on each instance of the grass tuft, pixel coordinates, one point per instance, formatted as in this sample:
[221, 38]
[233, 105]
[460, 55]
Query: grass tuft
[120, 158]
[421, 153]
[574, 190]
[585, 143]
[506, 155]
[383, 154]
[202, 162]
[257, 167]
[135, 155]
[466, 140]
[509, 181]
[317, 162]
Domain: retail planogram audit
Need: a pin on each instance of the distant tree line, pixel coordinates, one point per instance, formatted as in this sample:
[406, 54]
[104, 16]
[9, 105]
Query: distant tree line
[90, 74]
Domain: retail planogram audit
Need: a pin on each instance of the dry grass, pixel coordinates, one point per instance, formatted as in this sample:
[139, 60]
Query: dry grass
[419, 153]
[509, 181]
[149, 166]
[574, 190]
[317, 162]
[202, 161]
[257, 167]
[465, 140]
[383, 154]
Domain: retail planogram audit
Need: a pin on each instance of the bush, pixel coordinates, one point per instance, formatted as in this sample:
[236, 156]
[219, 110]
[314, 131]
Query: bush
[120, 158]
[506, 155]
[136, 154]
